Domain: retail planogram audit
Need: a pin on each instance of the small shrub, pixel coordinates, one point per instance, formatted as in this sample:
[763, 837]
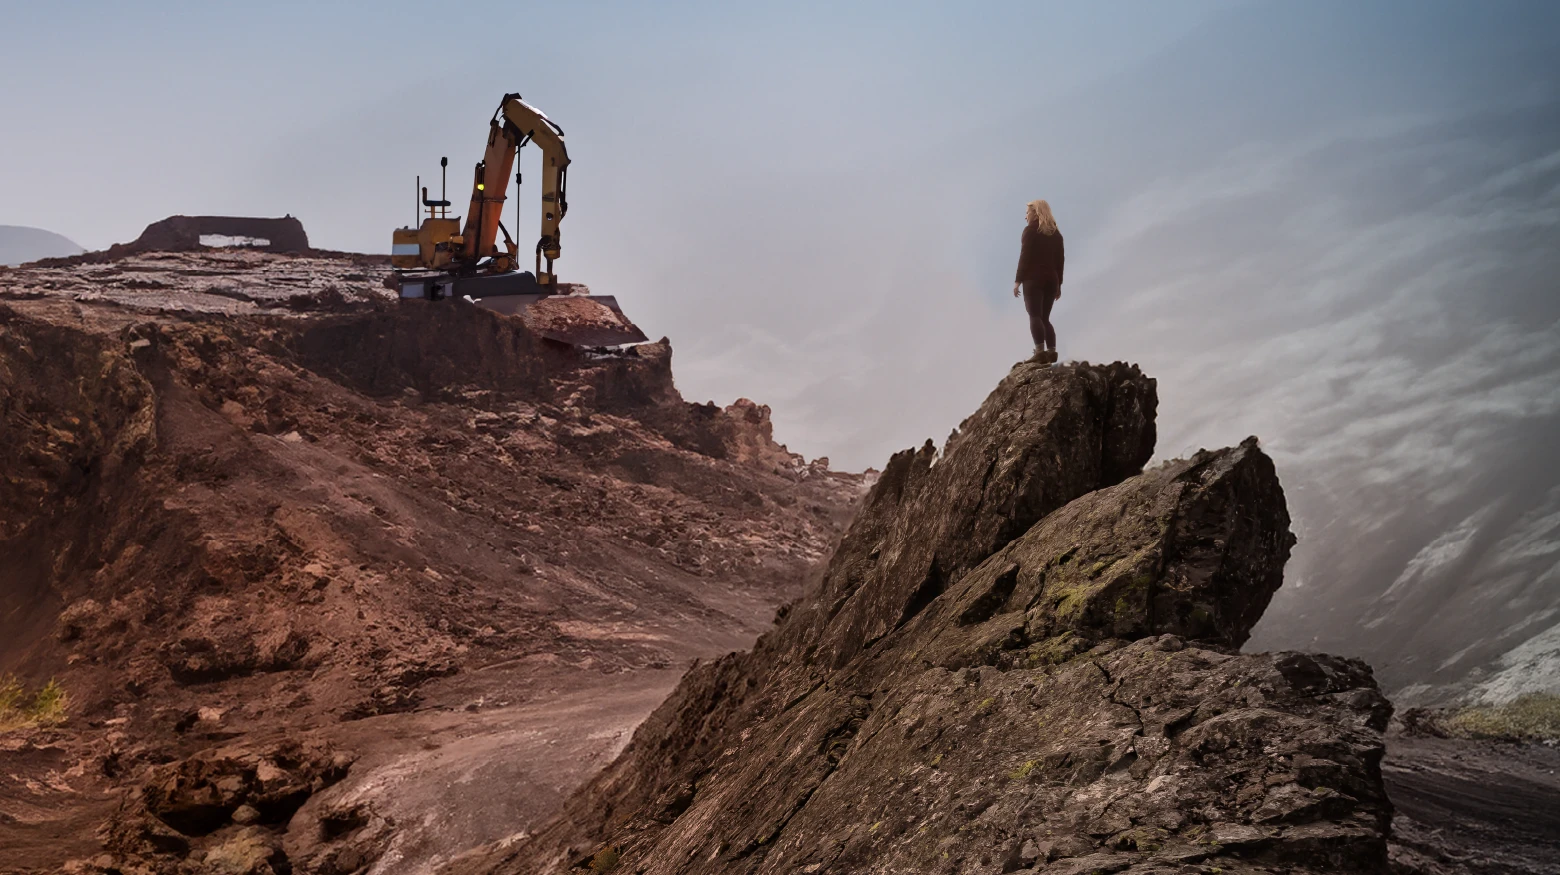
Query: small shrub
[48, 706]
[21, 707]
[605, 860]
[1023, 771]
[11, 694]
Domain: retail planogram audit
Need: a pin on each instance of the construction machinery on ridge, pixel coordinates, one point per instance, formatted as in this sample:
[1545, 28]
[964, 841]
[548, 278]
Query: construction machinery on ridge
[442, 258]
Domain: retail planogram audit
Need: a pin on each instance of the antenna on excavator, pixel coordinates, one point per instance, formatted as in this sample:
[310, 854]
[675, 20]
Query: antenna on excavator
[439, 209]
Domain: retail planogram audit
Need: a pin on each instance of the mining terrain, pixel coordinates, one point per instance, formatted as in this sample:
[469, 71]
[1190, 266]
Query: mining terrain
[338, 583]
[318, 581]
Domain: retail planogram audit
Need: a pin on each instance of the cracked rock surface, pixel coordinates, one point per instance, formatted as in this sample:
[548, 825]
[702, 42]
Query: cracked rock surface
[1022, 658]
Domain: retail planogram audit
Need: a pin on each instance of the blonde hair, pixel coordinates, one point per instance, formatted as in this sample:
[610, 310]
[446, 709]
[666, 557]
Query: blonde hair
[1039, 212]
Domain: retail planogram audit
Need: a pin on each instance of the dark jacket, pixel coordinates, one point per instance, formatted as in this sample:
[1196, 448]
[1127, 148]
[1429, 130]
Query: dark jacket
[1041, 258]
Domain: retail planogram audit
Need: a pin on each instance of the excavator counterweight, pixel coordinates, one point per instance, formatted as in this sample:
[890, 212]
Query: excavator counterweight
[443, 258]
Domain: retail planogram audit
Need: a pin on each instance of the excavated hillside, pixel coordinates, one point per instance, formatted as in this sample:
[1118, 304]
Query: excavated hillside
[1023, 657]
[306, 560]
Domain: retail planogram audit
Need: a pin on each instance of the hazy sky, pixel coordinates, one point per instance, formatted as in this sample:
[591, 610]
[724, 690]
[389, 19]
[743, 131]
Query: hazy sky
[328, 109]
[756, 183]
[1334, 224]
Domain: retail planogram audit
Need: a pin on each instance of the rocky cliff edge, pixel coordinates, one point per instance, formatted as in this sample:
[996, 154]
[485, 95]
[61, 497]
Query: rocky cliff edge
[1023, 658]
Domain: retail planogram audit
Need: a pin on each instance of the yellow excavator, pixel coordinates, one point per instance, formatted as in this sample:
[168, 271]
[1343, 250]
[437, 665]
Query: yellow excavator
[440, 259]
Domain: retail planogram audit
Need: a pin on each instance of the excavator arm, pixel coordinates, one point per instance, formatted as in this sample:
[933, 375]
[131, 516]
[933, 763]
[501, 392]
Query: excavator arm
[444, 259]
[514, 124]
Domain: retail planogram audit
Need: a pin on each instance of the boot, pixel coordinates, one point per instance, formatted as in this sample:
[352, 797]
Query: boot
[1050, 356]
[1040, 356]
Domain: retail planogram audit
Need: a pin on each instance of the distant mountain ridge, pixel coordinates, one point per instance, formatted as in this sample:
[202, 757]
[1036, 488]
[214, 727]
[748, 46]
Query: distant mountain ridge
[20, 244]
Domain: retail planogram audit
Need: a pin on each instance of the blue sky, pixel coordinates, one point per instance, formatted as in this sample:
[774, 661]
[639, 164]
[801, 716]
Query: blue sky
[327, 109]
[1333, 224]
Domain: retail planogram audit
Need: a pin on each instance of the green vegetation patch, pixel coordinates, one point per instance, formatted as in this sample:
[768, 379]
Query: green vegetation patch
[1056, 649]
[1532, 717]
[21, 707]
[1024, 770]
[604, 860]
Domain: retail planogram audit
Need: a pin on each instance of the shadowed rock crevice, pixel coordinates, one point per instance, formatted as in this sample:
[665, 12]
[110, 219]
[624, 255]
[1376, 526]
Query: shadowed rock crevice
[1022, 658]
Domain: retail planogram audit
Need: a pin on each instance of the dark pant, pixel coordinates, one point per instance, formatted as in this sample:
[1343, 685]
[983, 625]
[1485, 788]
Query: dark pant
[1038, 298]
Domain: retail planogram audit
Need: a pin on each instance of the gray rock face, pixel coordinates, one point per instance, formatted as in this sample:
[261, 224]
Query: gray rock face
[1040, 440]
[1194, 548]
[1021, 659]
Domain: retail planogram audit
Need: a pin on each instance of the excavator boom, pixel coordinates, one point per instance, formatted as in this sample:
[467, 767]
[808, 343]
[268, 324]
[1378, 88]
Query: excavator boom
[514, 124]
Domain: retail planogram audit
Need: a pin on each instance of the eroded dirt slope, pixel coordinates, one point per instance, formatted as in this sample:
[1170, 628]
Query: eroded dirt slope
[292, 546]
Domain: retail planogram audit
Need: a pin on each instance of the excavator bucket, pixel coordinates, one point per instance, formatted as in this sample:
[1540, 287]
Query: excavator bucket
[570, 317]
[582, 321]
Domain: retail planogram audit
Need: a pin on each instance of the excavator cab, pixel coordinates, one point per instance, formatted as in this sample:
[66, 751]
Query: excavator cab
[433, 244]
[441, 258]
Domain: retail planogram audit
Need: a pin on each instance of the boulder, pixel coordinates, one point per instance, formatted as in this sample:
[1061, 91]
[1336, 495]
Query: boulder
[206, 792]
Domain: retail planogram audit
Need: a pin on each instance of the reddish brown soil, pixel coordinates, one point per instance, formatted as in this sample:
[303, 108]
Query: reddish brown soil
[249, 502]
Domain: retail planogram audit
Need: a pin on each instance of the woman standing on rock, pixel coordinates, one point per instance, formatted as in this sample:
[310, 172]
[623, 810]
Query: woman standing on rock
[1040, 276]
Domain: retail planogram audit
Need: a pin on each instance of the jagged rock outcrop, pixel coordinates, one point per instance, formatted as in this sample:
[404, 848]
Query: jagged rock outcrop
[202, 794]
[1035, 444]
[180, 233]
[1021, 659]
